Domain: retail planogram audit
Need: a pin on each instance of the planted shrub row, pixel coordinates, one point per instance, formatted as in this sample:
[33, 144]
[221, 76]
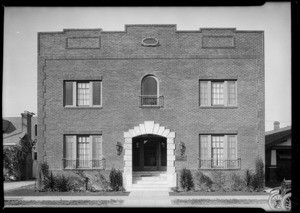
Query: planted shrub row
[80, 181]
[217, 180]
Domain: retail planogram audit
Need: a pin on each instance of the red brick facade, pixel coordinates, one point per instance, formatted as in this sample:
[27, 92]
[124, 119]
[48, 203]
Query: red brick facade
[181, 59]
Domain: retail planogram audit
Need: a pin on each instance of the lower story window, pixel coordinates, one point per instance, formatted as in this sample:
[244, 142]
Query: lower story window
[82, 151]
[218, 151]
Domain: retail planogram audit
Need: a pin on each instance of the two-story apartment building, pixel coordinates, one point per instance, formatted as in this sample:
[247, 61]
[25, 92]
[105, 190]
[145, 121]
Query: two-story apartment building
[151, 98]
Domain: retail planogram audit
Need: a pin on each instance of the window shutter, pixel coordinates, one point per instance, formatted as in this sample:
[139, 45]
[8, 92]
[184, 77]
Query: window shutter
[232, 147]
[225, 95]
[70, 151]
[204, 147]
[96, 93]
[68, 91]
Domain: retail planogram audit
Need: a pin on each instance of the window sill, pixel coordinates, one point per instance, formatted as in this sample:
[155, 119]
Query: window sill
[95, 168]
[83, 107]
[218, 107]
[151, 107]
[218, 168]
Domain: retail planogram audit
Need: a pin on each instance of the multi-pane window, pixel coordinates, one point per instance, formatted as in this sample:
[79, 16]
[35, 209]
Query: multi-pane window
[82, 151]
[82, 93]
[218, 93]
[218, 151]
[204, 93]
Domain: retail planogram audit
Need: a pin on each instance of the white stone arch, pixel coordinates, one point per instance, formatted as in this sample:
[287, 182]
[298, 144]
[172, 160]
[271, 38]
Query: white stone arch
[149, 127]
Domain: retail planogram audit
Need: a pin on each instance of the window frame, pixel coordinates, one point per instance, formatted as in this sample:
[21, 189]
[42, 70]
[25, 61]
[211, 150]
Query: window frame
[75, 94]
[157, 96]
[209, 94]
[75, 152]
[226, 151]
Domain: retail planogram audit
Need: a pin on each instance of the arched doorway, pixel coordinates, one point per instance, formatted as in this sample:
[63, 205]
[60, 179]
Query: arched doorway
[149, 153]
[149, 147]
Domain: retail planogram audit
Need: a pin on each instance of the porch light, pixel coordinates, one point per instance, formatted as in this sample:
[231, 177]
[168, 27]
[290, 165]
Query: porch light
[182, 148]
[163, 144]
[119, 148]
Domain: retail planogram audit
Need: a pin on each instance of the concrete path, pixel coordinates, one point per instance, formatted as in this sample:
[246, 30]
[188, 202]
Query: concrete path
[148, 199]
[17, 184]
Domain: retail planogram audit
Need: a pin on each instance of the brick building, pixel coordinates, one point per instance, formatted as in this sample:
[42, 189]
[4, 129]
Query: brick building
[151, 98]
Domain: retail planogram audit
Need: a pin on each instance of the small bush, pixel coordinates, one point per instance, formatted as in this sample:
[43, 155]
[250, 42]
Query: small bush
[203, 182]
[236, 182]
[116, 180]
[49, 183]
[219, 180]
[64, 184]
[45, 169]
[186, 179]
[259, 174]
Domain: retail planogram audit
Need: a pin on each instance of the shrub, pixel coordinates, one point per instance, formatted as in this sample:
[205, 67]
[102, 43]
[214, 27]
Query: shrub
[102, 182]
[116, 180]
[259, 174]
[186, 179]
[45, 169]
[64, 184]
[248, 178]
[49, 183]
[219, 180]
[203, 182]
[236, 182]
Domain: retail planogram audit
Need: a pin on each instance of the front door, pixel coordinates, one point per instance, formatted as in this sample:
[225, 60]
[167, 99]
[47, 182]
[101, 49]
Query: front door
[149, 153]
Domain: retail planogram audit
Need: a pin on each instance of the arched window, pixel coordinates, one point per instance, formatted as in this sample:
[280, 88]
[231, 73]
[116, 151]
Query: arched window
[150, 91]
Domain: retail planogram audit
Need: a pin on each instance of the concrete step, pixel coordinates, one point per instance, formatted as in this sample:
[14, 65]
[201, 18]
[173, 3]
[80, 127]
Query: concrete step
[146, 173]
[150, 182]
[141, 185]
[151, 189]
[151, 178]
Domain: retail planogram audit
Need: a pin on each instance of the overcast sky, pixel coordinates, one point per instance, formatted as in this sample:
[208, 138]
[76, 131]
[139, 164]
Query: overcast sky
[21, 25]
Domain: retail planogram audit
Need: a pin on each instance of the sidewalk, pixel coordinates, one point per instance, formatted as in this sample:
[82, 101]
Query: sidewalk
[7, 186]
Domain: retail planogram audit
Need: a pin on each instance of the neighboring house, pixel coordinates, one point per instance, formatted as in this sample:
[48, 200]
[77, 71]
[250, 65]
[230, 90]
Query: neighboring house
[278, 153]
[151, 98]
[25, 127]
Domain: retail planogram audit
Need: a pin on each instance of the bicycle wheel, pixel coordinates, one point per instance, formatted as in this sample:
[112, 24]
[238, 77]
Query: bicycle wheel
[286, 202]
[275, 201]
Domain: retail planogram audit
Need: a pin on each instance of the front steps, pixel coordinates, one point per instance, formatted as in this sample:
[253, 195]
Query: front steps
[150, 181]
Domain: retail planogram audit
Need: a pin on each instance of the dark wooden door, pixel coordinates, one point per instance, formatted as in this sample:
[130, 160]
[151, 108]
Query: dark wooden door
[149, 154]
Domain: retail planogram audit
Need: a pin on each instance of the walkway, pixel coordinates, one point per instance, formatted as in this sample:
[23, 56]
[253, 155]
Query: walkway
[148, 199]
[17, 184]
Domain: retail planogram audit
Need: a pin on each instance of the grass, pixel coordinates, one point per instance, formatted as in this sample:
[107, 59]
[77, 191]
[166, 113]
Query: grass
[63, 202]
[30, 191]
[201, 193]
[216, 202]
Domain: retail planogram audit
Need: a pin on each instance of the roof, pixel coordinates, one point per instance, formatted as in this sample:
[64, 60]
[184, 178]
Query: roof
[275, 137]
[14, 125]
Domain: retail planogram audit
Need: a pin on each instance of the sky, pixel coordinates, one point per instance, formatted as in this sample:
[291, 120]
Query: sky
[21, 25]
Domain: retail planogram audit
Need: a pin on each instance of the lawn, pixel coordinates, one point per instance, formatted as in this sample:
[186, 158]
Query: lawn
[63, 202]
[216, 202]
[30, 191]
[216, 193]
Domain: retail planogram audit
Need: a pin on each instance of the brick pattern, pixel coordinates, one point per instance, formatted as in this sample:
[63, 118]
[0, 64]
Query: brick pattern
[179, 62]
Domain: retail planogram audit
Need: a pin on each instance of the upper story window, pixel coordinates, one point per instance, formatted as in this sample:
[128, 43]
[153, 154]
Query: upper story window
[82, 93]
[150, 92]
[218, 93]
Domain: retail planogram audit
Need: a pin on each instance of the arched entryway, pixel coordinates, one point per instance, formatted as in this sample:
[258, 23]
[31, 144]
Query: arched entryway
[149, 153]
[149, 147]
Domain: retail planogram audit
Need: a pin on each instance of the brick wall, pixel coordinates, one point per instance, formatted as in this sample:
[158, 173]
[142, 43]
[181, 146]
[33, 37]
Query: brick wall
[179, 62]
